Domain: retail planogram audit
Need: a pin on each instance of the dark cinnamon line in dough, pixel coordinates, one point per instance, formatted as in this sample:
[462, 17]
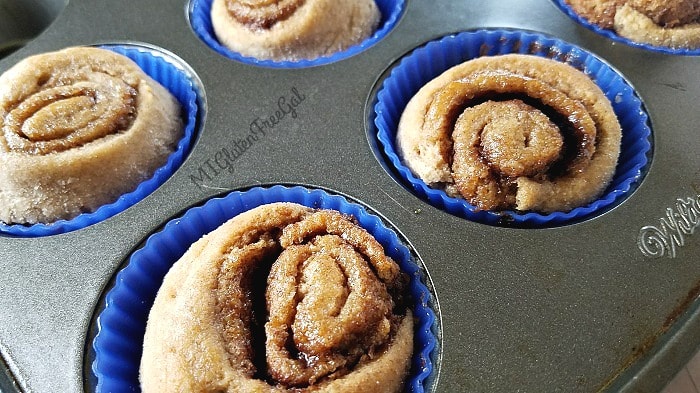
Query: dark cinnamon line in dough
[664, 15]
[56, 145]
[260, 18]
[566, 128]
[254, 283]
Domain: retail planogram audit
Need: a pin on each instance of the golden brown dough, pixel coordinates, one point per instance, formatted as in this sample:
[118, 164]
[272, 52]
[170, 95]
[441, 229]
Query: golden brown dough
[639, 27]
[293, 29]
[281, 298]
[672, 23]
[668, 13]
[512, 132]
[78, 128]
[599, 12]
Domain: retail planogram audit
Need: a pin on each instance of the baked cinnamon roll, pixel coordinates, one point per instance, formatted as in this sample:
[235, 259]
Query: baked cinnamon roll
[292, 30]
[78, 128]
[281, 298]
[674, 23]
[512, 132]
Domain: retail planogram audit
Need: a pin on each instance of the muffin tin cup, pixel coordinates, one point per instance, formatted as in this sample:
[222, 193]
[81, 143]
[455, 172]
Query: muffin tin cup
[430, 60]
[122, 322]
[199, 12]
[21, 21]
[611, 34]
[170, 72]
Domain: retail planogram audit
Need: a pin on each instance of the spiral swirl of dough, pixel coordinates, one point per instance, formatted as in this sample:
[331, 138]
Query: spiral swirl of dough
[670, 23]
[647, 24]
[79, 127]
[99, 105]
[292, 29]
[280, 298]
[512, 132]
[262, 14]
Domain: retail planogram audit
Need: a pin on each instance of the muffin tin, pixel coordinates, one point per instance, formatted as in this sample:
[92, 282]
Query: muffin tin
[608, 303]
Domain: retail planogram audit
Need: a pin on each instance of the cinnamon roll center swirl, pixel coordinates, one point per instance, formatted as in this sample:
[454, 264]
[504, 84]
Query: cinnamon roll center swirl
[262, 14]
[496, 126]
[307, 300]
[669, 13]
[69, 113]
[518, 140]
[570, 115]
[512, 132]
[337, 311]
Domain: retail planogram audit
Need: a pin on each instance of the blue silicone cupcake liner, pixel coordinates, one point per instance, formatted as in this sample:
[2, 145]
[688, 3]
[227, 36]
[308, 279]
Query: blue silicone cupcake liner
[172, 74]
[200, 19]
[122, 322]
[430, 60]
[565, 8]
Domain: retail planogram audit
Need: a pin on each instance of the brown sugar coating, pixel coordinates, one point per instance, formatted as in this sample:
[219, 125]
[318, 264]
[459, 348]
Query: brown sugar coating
[512, 132]
[262, 14]
[292, 30]
[282, 298]
[343, 313]
[78, 128]
[521, 142]
[39, 124]
[599, 12]
[669, 13]
[516, 140]
[674, 23]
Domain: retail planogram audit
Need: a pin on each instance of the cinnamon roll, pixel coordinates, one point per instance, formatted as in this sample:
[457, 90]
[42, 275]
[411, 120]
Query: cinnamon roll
[292, 30]
[512, 132]
[674, 24]
[78, 128]
[281, 298]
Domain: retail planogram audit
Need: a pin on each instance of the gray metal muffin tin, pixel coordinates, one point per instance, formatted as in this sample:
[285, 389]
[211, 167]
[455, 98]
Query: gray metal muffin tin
[577, 308]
